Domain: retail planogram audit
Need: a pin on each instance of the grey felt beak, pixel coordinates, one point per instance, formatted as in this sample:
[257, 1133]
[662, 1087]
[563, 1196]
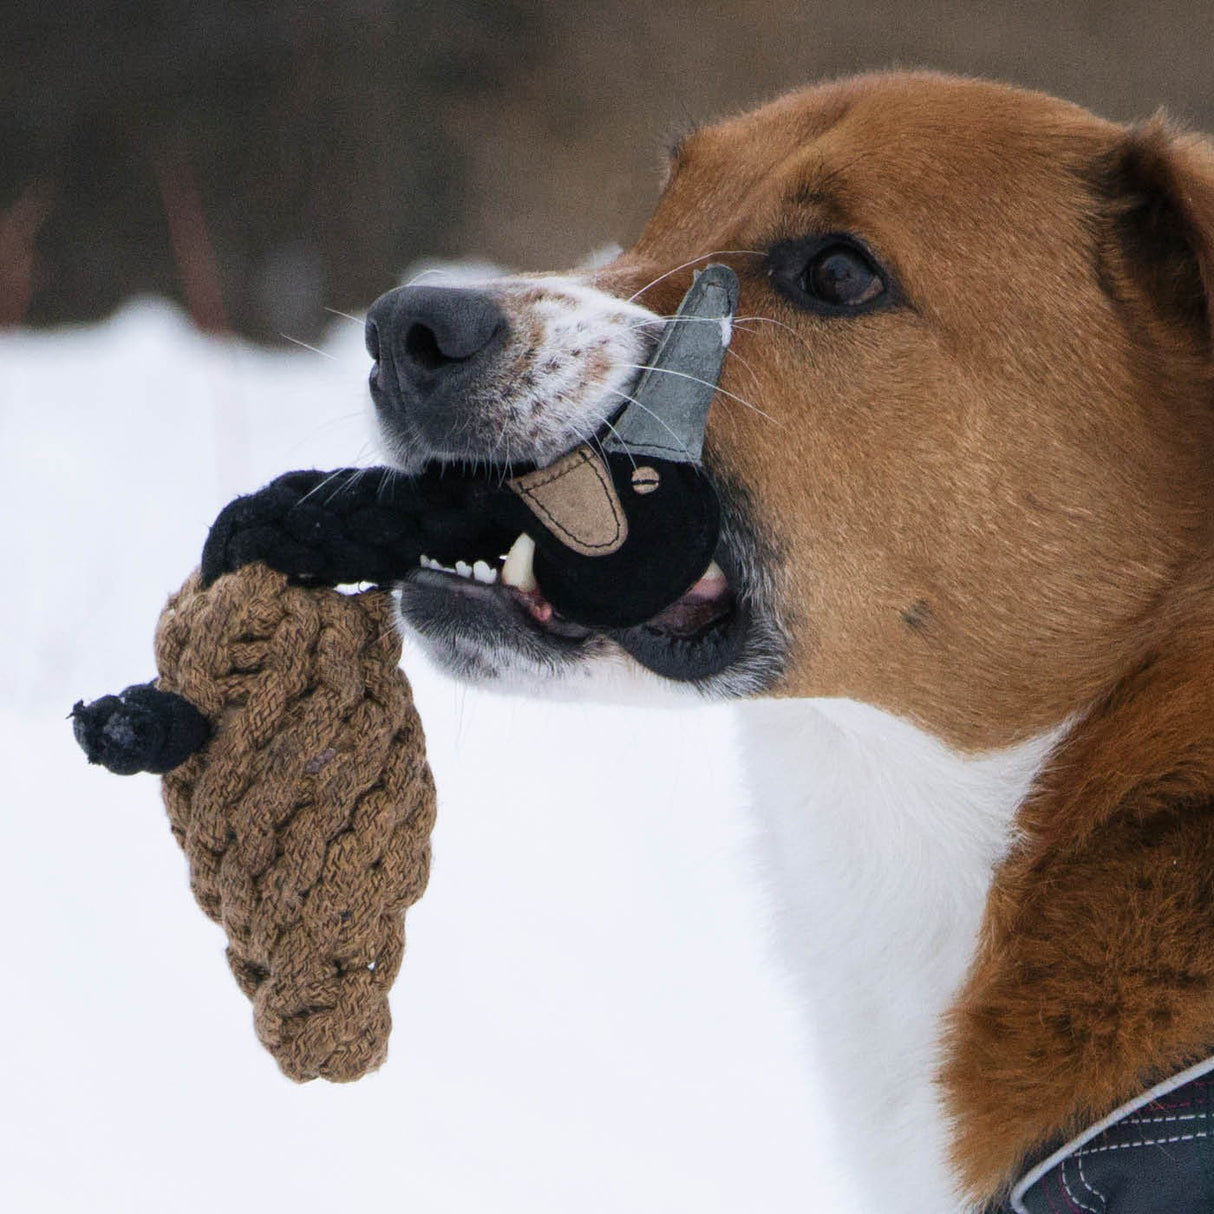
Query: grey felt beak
[669, 413]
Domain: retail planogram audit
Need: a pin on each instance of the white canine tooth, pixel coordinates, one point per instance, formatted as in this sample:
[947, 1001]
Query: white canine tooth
[518, 570]
[463, 568]
[424, 561]
[713, 571]
[483, 573]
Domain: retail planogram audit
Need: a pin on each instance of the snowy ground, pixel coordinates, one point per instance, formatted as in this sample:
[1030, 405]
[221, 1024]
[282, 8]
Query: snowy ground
[587, 1020]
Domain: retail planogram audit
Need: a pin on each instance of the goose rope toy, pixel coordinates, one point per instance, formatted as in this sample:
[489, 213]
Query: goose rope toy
[293, 761]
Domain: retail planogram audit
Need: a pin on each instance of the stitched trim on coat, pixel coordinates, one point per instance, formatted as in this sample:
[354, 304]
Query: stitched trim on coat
[1076, 1145]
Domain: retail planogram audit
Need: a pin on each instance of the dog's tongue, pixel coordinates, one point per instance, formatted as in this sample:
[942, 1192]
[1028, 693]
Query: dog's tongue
[628, 529]
[698, 607]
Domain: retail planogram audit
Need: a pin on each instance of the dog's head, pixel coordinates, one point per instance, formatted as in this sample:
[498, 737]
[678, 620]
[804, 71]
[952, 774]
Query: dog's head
[963, 439]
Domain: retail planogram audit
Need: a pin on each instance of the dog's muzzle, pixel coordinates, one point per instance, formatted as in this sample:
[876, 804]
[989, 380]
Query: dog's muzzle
[623, 525]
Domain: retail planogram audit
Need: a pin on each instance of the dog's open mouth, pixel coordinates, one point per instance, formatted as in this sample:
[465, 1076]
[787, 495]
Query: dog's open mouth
[488, 592]
[511, 576]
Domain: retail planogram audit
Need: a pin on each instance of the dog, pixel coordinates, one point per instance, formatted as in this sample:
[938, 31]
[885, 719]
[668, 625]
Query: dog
[964, 591]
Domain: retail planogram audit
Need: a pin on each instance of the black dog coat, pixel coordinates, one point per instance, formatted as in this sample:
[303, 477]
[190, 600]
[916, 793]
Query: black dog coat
[1154, 1155]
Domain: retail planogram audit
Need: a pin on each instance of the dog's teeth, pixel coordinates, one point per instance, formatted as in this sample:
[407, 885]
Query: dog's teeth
[463, 568]
[483, 573]
[518, 571]
[713, 571]
[425, 562]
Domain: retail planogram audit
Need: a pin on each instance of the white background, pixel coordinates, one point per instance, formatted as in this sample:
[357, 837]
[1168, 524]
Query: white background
[589, 1017]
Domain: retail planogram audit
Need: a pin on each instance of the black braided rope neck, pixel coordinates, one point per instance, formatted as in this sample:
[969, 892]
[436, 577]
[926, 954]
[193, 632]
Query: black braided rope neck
[352, 525]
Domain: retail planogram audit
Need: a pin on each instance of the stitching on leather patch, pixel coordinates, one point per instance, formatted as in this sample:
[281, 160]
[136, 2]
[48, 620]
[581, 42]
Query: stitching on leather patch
[527, 486]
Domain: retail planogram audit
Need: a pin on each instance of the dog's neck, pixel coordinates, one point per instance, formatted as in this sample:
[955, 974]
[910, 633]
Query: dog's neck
[882, 843]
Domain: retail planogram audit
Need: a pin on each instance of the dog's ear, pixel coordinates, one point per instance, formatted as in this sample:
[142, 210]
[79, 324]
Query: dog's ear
[1158, 229]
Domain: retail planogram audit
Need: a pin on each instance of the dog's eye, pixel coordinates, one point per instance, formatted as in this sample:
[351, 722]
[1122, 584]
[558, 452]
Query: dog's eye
[830, 274]
[842, 276]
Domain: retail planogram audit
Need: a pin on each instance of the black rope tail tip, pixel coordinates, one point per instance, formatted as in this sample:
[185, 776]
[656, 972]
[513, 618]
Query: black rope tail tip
[140, 729]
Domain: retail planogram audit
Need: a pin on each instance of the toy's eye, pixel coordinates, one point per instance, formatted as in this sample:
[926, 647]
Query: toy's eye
[842, 276]
[832, 274]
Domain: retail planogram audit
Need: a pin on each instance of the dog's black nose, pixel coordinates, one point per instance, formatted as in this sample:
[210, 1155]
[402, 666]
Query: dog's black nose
[426, 336]
[432, 346]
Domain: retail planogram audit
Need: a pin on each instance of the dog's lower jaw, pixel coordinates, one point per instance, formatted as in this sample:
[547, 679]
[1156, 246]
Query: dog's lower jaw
[880, 843]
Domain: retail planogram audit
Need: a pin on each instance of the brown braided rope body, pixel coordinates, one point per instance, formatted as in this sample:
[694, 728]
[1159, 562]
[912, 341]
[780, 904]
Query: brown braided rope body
[306, 818]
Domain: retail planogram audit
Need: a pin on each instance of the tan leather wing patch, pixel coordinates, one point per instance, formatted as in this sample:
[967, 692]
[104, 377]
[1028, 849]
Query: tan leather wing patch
[575, 499]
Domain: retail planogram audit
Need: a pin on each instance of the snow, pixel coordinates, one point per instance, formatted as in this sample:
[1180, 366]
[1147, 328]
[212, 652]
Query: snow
[588, 1018]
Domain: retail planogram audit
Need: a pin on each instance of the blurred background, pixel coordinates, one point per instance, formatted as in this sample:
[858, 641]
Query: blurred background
[263, 162]
[591, 1016]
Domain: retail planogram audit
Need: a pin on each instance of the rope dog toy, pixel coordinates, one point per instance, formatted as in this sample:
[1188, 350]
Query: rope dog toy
[306, 817]
[293, 761]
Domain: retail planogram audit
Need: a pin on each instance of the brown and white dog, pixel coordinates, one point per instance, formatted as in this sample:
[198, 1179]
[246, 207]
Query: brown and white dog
[965, 446]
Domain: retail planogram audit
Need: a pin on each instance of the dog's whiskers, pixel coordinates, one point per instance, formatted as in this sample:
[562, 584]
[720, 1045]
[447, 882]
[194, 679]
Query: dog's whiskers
[591, 435]
[706, 383]
[328, 480]
[661, 421]
[709, 320]
[661, 321]
[593, 440]
[754, 379]
[703, 257]
[304, 345]
[385, 479]
[340, 487]
[619, 437]
[739, 322]
[771, 320]
[422, 274]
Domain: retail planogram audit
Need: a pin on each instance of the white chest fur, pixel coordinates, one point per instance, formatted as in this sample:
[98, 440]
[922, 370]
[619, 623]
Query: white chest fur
[881, 842]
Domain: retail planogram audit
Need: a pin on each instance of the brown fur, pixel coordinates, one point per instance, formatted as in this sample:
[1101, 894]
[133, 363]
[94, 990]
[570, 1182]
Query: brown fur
[993, 504]
[1095, 973]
